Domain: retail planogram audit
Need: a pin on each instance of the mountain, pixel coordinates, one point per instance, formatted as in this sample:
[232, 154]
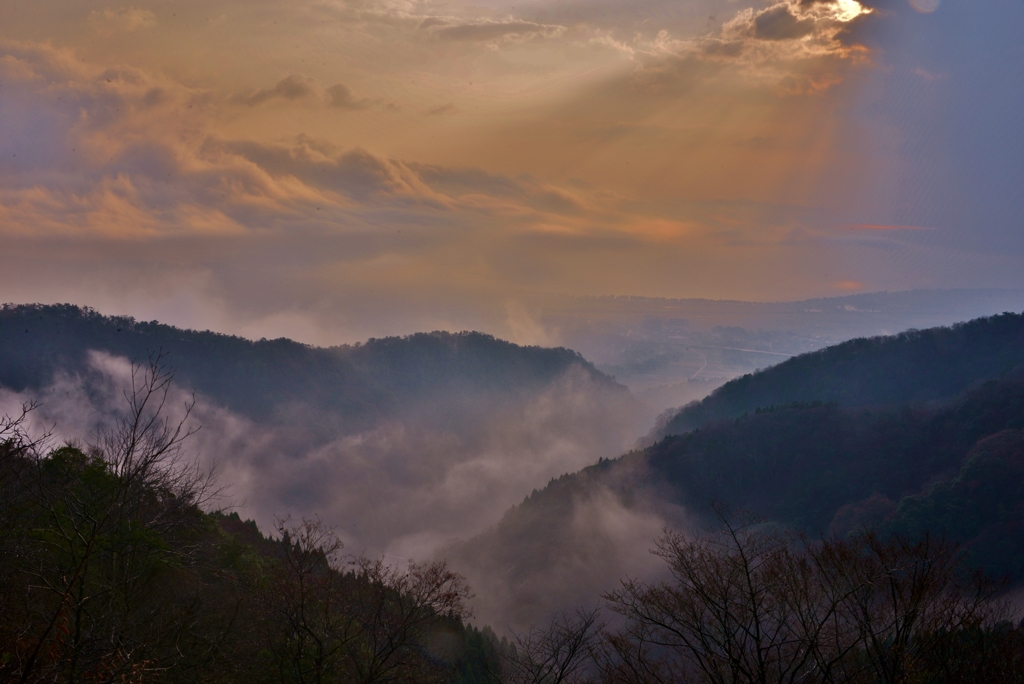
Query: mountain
[111, 571]
[673, 351]
[915, 367]
[361, 383]
[917, 432]
[400, 443]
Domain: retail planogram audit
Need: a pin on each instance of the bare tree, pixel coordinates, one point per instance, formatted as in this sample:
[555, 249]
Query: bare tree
[730, 614]
[18, 451]
[746, 604]
[108, 510]
[913, 604]
[305, 601]
[398, 609]
[329, 619]
[561, 653]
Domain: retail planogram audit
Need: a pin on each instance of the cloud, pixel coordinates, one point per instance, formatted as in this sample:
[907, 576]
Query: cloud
[788, 30]
[849, 285]
[929, 76]
[116, 178]
[778, 23]
[496, 30]
[873, 227]
[442, 110]
[341, 96]
[406, 485]
[290, 88]
[113, 20]
[925, 6]
[117, 152]
[566, 545]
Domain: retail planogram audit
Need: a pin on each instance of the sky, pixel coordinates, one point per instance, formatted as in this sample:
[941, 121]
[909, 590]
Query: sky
[331, 170]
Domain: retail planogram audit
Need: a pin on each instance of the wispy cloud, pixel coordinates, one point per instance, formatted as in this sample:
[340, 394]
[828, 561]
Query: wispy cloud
[341, 96]
[294, 87]
[113, 20]
[880, 227]
[494, 30]
[439, 155]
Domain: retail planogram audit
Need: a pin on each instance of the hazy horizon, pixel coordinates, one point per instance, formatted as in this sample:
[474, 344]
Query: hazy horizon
[332, 170]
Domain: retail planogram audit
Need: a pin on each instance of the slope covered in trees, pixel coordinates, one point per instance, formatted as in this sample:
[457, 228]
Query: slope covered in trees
[916, 367]
[110, 571]
[912, 465]
[360, 383]
[421, 437]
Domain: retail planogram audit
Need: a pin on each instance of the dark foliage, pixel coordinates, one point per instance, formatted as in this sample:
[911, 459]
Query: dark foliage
[358, 384]
[914, 368]
[748, 605]
[110, 571]
[800, 463]
[820, 466]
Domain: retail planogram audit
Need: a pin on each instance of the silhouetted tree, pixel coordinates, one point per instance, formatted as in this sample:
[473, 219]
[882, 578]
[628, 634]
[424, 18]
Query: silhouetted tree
[746, 604]
[560, 653]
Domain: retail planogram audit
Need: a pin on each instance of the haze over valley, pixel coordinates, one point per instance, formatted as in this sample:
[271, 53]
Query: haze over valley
[429, 446]
[477, 342]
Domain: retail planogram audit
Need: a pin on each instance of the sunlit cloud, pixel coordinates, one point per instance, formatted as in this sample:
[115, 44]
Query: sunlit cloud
[294, 87]
[443, 156]
[849, 285]
[884, 228]
[121, 19]
[925, 6]
[341, 96]
[493, 30]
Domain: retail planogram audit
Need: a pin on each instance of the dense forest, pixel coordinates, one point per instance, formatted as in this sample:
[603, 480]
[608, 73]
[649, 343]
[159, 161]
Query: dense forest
[111, 571]
[916, 367]
[370, 435]
[815, 541]
[816, 466]
[358, 384]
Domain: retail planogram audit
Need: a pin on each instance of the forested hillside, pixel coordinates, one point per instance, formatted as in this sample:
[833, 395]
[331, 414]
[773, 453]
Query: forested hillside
[837, 516]
[360, 384]
[110, 571]
[401, 443]
[940, 450]
[916, 367]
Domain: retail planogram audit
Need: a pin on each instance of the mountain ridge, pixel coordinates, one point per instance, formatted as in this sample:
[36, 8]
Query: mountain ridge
[812, 466]
[398, 442]
[880, 370]
[60, 334]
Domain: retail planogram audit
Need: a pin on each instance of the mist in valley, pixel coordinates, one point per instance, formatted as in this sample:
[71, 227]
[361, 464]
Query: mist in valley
[404, 488]
[445, 469]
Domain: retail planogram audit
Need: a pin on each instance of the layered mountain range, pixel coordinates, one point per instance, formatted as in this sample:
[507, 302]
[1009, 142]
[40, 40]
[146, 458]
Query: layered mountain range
[425, 446]
[912, 433]
[400, 443]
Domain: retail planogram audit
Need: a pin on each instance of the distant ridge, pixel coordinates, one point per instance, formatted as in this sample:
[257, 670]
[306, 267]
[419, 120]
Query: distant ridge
[917, 432]
[360, 381]
[913, 367]
[423, 437]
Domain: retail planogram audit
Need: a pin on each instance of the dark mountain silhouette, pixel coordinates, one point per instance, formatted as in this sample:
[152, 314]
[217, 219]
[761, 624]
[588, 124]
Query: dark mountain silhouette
[360, 383]
[917, 432]
[397, 438]
[915, 367]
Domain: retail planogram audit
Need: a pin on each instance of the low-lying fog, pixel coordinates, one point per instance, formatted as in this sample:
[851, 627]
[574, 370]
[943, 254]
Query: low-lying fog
[405, 488]
[418, 486]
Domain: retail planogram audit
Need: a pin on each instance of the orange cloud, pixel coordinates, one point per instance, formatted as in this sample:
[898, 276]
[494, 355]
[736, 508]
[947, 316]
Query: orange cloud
[881, 227]
[849, 285]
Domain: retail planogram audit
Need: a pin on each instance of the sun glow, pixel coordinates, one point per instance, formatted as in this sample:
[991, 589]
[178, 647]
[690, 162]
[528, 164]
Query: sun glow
[848, 10]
